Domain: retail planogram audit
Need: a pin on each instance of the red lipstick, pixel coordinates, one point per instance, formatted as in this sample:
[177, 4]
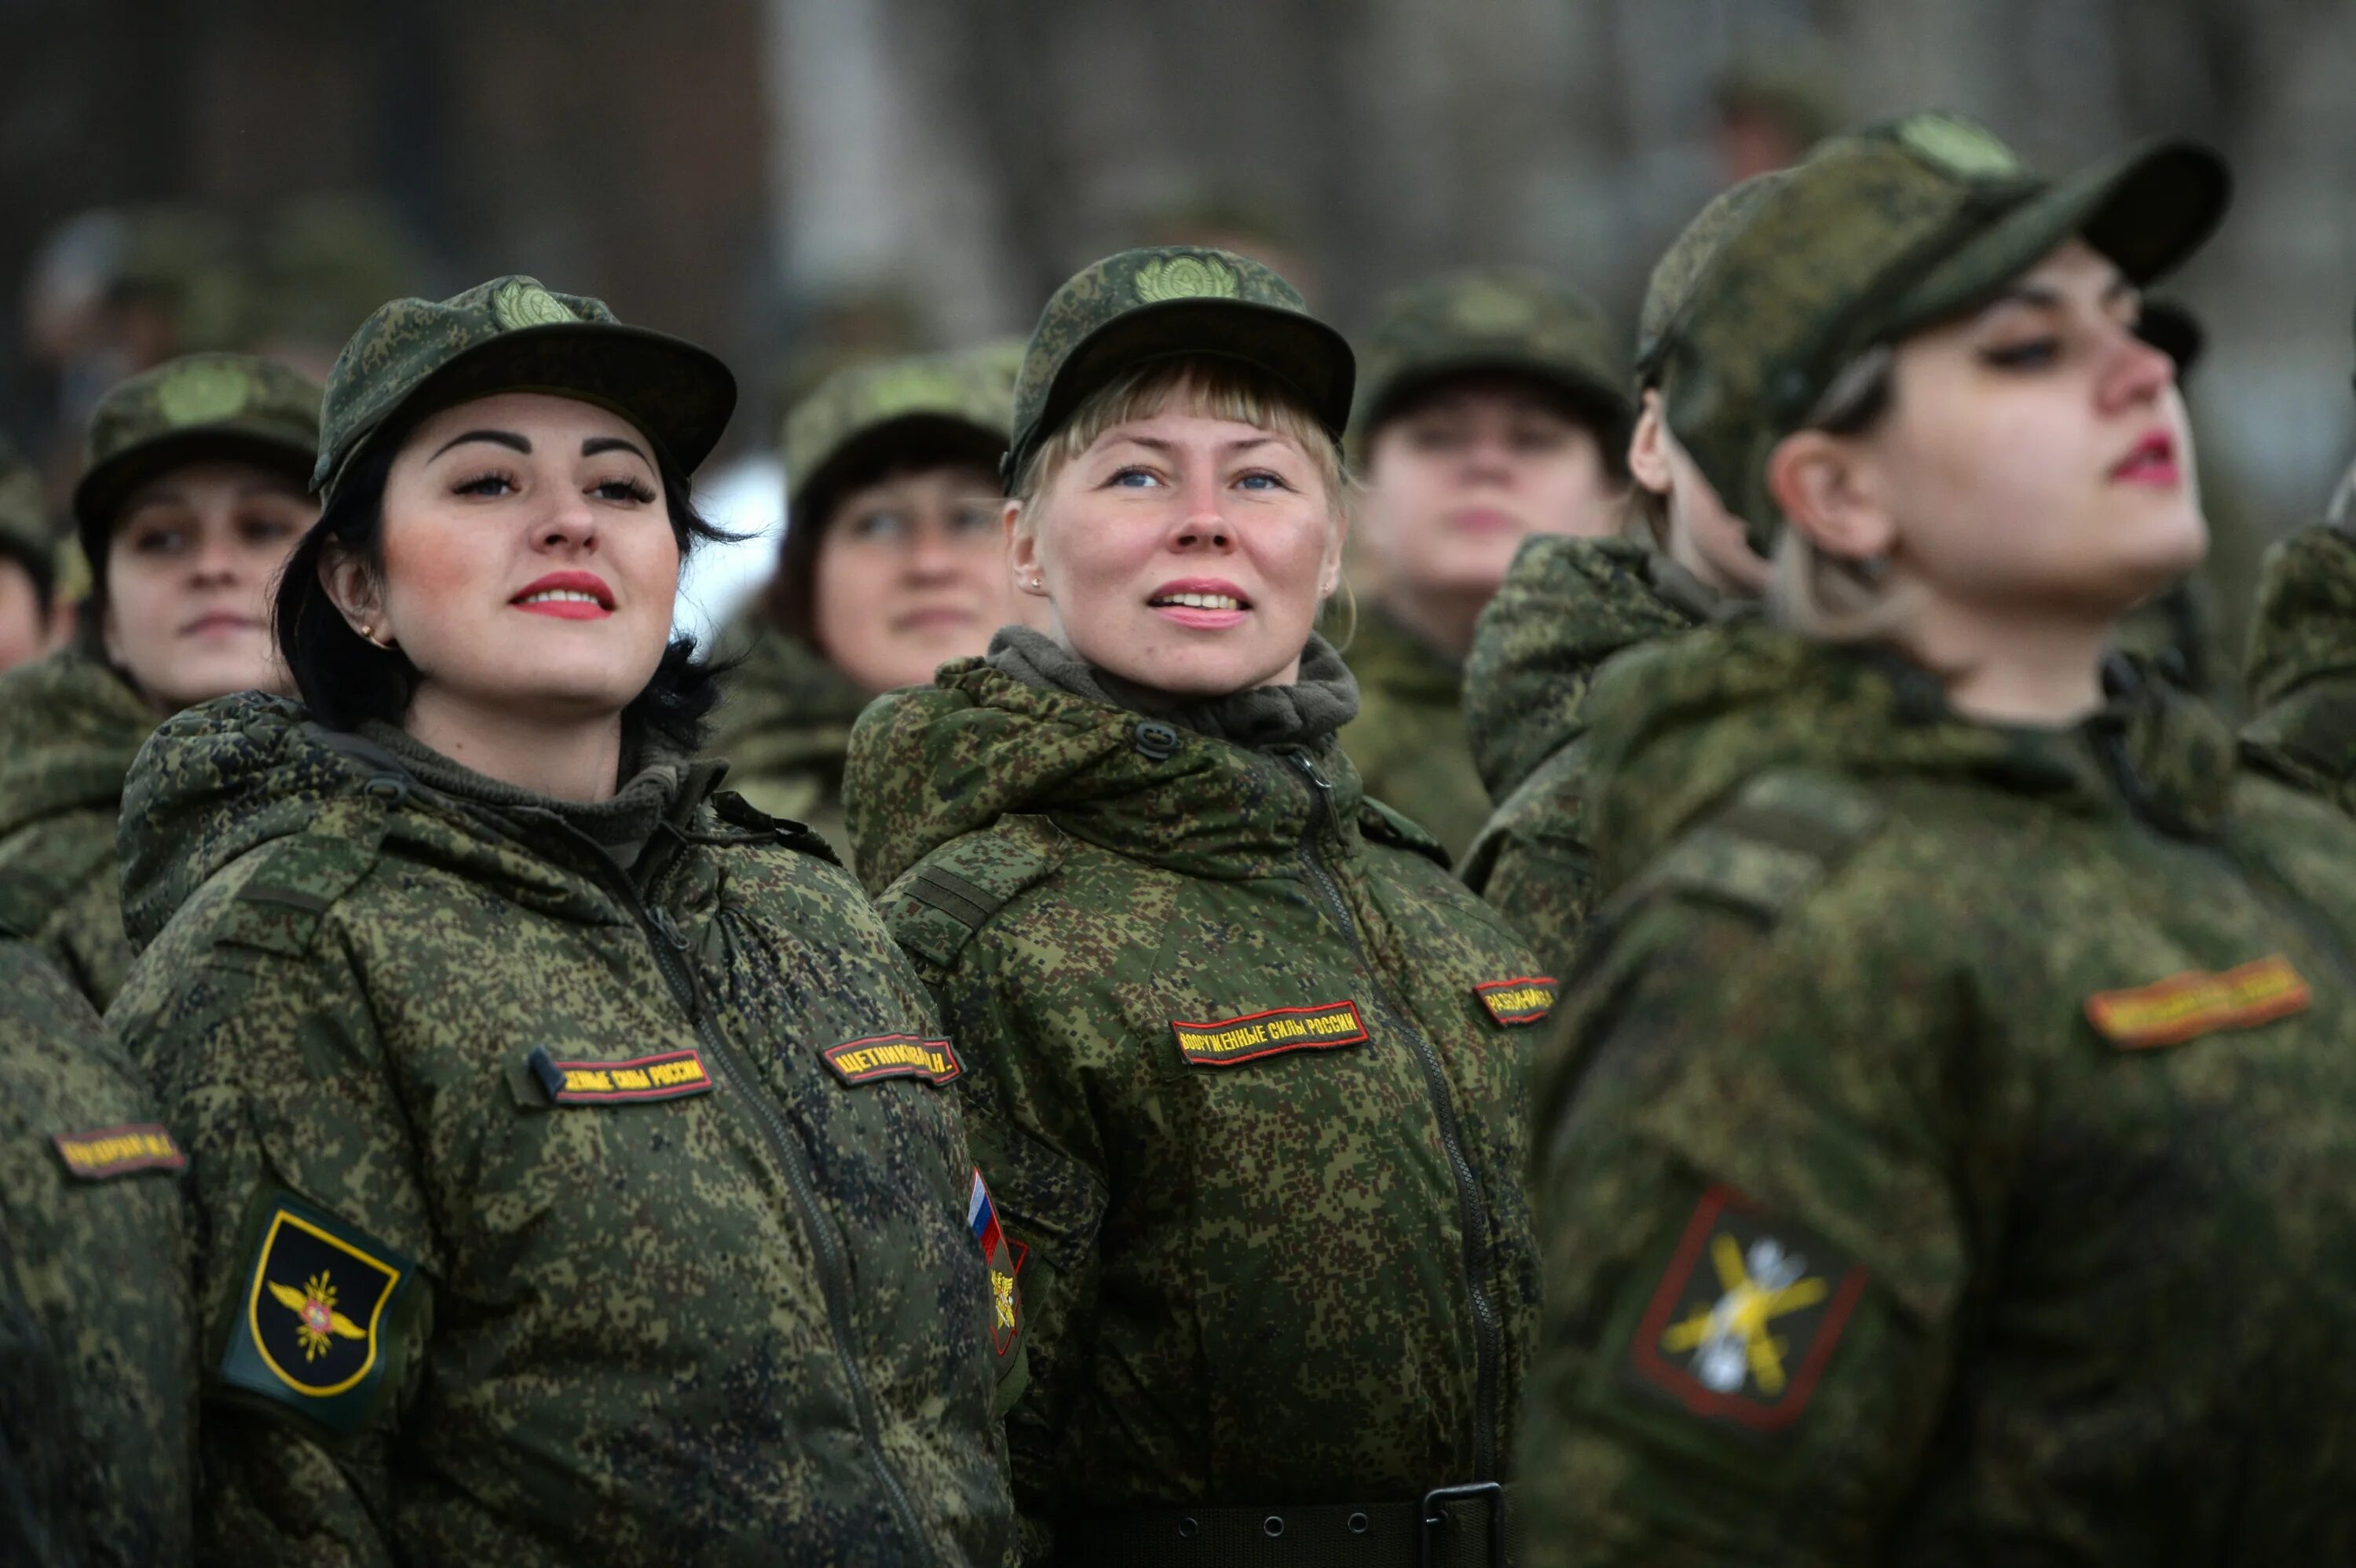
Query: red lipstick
[2151, 461]
[568, 596]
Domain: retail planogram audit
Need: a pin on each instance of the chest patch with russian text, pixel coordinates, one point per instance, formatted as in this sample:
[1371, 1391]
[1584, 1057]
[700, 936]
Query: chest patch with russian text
[885, 1056]
[2183, 1006]
[1279, 1030]
[670, 1075]
[104, 1152]
[1521, 1001]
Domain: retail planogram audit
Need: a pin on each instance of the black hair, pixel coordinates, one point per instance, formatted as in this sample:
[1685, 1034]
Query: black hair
[38, 565]
[346, 679]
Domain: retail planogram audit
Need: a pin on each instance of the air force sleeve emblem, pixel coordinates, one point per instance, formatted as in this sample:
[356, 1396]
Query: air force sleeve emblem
[320, 1301]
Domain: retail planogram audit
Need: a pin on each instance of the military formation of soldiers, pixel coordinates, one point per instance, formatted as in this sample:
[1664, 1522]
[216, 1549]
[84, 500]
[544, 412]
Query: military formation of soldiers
[1706, 1012]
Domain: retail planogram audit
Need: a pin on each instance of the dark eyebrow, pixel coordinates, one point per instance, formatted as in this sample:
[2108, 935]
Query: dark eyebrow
[598, 443]
[495, 437]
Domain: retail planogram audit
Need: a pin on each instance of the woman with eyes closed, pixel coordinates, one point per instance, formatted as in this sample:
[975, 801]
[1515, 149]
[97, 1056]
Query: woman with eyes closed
[1242, 1064]
[193, 494]
[893, 564]
[1946, 1160]
[571, 1165]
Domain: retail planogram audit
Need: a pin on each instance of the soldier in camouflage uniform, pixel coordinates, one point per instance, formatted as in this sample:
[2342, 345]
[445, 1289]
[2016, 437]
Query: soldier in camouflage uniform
[1568, 604]
[97, 1352]
[1992, 1200]
[1242, 1062]
[191, 497]
[895, 562]
[573, 1173]
[1492, 406]
[27, 561]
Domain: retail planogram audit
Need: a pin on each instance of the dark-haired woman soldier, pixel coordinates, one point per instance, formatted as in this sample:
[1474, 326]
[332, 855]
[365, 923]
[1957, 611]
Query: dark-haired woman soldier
[574, 1174]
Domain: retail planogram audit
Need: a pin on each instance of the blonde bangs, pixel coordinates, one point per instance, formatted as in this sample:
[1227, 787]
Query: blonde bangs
[1200, 385]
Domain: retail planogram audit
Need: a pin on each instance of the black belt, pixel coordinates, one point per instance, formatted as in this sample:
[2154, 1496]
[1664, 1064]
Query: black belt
[1451, 1527]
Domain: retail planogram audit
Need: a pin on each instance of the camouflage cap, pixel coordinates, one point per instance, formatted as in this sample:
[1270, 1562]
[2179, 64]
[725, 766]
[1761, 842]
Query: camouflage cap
[196, 407]
[1166, 302]
[856, 408]
[1499, 320]
[1682, 265]
[1879, 233]
[413, 356]
[24, 530]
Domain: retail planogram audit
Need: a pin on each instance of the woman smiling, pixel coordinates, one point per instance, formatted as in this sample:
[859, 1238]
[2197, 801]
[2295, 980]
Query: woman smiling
[514, 1060]
[1243, 1062]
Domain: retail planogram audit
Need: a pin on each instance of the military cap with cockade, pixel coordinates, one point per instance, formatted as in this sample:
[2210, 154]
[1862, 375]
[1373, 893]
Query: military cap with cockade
[25, 532]
[962, 398]
[196, 407]
[414, 356]
[1505, 321]
[1172, 301]
[1877, 234]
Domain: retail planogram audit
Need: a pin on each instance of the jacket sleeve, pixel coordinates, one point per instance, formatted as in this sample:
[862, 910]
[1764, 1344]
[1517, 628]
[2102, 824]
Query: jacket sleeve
[2302, 664]
[269, 1065]
[1758, 1203]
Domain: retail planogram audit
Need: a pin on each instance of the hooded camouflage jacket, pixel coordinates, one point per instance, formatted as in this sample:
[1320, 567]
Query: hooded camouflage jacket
[1239, 1070]
[97, 1356]
[539, 1217]
[2302, 666]
[1946, 1158]
[783, 729]
[1567, 605]
[1408, 737]
[69, 730]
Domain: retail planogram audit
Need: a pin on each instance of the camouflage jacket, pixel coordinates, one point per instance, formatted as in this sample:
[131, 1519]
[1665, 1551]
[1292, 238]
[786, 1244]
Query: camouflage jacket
[783, 729]
[1240, 1070]
[1567, 605]
[1945, 1155]
[68, 729]
[1408, 737]
[547, 1211]
[97, 1356]
[2302, 666]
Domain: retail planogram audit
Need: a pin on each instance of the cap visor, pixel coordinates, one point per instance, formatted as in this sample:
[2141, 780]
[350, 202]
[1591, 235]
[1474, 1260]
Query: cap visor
[2146, 210]
[1303, 352]
[101, 490]
[1586, 390]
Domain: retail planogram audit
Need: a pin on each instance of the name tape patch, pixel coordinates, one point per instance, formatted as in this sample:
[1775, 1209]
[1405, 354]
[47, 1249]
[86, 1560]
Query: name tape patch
[881, 1056]
[1524, 1000]
[668, 1076]
[1279, 1030]
[2182, 1007]
[105, 1153]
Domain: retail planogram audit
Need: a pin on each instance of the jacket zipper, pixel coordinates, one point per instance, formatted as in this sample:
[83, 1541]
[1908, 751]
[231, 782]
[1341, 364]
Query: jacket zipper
[670, 944]
[1472, 1209]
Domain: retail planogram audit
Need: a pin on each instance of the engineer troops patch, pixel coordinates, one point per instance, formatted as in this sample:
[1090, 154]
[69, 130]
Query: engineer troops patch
[857, 1062]
[1521, 1001]
[2184, 1007]
[1005, 1303]
[106, 1152]
[1741, 1325]
[668, 1076]
[1279, 1030]
[309, 1333]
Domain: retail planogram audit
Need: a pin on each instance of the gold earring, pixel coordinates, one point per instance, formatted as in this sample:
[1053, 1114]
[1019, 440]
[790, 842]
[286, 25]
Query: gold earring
[368, 632]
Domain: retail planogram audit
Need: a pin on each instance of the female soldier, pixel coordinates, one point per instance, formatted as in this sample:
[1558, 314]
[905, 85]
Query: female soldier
[27, 561]
[1495, 409]
[193, 496]
[893, 564]
[1239, 1058]
[1570, 603]
[543, 1220]
[1993, 1200]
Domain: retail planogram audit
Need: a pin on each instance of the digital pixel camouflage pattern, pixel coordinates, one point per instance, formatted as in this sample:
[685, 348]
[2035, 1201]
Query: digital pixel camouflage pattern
[784, 727]
[1994, 1185]
[2302, 665]
[1565, 606]
[199, 406]
[533, 1226]
[418, 355]
[973, 389]
[97, 1351]
[24, 530]
[1408, 737]
[1150, 303]
[1684, 266]
[1489, 321]
[1225, 1045]
[69, 730]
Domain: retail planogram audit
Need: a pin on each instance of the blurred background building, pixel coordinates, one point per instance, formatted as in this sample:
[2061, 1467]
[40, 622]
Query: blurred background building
[794, 182]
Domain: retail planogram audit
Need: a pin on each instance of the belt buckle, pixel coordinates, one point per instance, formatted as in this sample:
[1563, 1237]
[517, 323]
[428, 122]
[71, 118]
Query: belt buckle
[1428, 1538]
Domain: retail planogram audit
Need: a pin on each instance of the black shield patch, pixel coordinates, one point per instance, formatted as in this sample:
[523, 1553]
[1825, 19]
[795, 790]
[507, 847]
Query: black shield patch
[311, 1330]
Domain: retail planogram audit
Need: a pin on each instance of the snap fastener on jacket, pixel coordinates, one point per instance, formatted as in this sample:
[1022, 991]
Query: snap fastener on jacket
[390, 788]
[1154, 740]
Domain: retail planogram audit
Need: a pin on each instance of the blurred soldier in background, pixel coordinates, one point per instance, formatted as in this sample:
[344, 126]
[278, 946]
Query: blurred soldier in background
[1773, 103]
[27, 562]
[1492, 406]
[322, 263]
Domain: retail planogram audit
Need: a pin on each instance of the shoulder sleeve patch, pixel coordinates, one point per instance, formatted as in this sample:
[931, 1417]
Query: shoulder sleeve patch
[937, 906]
[1779, 838]
[299, 880]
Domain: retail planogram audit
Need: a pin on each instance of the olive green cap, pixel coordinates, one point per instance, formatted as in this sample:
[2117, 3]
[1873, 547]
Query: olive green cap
[1172, 301]
[1876, 235]
[1682, 265]
[862, 406]
[24, 530]
[196, 407]
[1503, 321]
[510, 335]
